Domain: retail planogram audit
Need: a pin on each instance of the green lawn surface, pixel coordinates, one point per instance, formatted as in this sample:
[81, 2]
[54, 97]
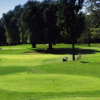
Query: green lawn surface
[41, 74]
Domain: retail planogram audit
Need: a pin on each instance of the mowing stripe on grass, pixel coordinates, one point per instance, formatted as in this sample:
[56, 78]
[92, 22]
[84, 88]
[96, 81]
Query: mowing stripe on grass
[24, 82]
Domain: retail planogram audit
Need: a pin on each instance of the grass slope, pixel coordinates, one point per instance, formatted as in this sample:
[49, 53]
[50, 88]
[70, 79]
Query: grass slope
[46, 77]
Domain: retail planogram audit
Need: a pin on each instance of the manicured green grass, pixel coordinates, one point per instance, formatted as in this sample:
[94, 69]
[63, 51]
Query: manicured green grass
[44, 76]
[74, 98]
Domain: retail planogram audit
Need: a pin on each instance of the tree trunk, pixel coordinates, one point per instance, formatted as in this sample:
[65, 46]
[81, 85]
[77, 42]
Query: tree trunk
[89, 39]
[33, 44]
[54, 43]
[50, 45]
[88, 43]
[73, 51]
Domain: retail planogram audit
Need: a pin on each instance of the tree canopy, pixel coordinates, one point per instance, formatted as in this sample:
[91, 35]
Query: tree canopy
[45, 22]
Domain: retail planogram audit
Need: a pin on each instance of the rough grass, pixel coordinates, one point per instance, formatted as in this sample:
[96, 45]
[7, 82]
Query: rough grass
[46, 77]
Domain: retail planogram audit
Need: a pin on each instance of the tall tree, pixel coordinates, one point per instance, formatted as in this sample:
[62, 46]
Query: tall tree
[9, 21]
[2, 34]
[71, 19]
[30, 21]
[50, 19]
[86, 35]
[93, 7]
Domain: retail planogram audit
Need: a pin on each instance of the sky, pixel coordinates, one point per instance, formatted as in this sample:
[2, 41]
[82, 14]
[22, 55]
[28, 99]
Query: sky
[6, 5]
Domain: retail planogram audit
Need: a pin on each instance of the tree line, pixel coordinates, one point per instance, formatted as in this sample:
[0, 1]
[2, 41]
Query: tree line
[37, 22]
[91, 33]
[48, 22]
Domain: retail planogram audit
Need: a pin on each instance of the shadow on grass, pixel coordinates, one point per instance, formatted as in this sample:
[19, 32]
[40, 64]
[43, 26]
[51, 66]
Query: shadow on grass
[66, 51]
[11, 70]
[84, 62]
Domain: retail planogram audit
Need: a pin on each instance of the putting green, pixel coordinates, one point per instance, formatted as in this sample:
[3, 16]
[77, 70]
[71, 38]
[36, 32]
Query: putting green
[24, 82]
